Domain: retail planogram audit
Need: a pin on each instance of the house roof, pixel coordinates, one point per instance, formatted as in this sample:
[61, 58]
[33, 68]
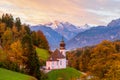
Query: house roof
[56, 55]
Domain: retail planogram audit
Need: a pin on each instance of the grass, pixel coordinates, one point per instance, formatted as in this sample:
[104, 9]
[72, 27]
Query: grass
[42, 53]
[11, 75]
[64, 74]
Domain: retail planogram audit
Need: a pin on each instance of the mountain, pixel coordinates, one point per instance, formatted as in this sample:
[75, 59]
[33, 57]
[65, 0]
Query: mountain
[114, 23]
[54, 31]
[76, 37]
[95, 35]
[52, 36]
[66, 29]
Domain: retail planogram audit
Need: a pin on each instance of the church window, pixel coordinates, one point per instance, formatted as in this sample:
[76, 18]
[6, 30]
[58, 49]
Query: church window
[60, 62]
[57, 62]
[52, 63]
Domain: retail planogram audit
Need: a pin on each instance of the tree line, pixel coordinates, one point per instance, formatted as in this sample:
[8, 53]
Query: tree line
[17, 46]
[100, 62]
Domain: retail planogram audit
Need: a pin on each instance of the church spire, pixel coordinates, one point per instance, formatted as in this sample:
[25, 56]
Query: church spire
[62, 44]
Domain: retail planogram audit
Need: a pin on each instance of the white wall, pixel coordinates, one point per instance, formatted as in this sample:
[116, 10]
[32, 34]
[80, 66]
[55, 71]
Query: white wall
[56, 64]
[63, 52]
[52, 65]
[62, 63]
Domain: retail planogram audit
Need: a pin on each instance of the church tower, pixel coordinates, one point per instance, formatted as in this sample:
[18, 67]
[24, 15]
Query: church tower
[62, 47]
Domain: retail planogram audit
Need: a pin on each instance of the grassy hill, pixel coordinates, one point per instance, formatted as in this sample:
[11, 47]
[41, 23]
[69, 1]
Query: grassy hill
[42, 53]
[64, 74]
[11, 75]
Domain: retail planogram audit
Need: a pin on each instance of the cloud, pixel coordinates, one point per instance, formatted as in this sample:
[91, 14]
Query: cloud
[78, 12]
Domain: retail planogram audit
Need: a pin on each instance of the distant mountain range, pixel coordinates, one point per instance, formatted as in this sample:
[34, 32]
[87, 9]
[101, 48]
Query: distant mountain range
[76, 37]
[56, 30]
[66, 29]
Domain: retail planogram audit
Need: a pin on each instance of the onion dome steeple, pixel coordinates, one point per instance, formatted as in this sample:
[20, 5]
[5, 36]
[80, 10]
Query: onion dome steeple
[62, 44]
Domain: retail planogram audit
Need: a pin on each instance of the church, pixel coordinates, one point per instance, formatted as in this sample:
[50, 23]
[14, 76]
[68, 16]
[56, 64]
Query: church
[57, 60]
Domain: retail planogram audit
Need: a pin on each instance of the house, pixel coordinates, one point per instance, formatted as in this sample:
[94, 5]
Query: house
[57, 60]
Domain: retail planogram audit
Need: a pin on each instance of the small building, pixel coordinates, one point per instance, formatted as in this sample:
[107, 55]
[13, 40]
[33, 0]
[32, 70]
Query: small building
[57, 60]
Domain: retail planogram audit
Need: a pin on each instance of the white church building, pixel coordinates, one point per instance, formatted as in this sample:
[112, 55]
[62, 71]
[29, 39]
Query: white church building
[57, 60]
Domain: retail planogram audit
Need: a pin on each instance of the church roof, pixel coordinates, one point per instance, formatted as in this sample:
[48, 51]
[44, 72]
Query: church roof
[56, 55]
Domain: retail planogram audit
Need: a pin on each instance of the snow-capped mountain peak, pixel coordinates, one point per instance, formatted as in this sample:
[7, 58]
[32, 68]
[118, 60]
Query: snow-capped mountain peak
[66, 29]
[86, 26]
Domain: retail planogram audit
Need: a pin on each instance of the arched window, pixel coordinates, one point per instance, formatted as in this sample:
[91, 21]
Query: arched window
[60, 62]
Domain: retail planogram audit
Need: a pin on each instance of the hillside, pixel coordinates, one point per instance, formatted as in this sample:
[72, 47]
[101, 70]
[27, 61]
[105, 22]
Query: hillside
[42, 53]
[10, 75]
[65, 74]
[101, 60]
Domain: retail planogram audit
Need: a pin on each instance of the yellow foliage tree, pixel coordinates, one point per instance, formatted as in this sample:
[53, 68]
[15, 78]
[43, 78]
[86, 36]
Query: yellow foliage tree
[16, 54]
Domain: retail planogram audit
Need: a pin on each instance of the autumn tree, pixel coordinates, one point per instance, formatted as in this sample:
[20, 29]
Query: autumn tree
[84, 60]
[43, 43]
[7, 38]
[2, 29]
[114, 67]
[100, 57]
[17, 54]
[40, 40]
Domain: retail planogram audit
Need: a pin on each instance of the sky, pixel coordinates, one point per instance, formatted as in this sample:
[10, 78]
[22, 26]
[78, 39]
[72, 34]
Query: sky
[78, 12]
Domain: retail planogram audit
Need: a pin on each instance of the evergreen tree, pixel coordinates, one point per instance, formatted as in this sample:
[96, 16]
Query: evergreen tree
[27, 29]
[32, 63]
[18, 23]
[8, 20]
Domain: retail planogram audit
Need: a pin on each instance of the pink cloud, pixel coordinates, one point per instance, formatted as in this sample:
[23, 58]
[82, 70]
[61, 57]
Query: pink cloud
[74, 11]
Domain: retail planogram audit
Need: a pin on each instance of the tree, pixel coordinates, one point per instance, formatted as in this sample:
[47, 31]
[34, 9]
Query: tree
[17, 54]
[84, 60]
[15, 33]
[42, 41]
[99, 63]
[2, 28]
[32, 64]
[2, 55]
[8, 20]
[7, 38]
[34, 38]
[18, 24]
[27, 29]
[114, 67]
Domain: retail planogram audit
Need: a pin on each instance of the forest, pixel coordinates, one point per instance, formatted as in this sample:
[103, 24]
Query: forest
[17, 46]
[99, 62]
